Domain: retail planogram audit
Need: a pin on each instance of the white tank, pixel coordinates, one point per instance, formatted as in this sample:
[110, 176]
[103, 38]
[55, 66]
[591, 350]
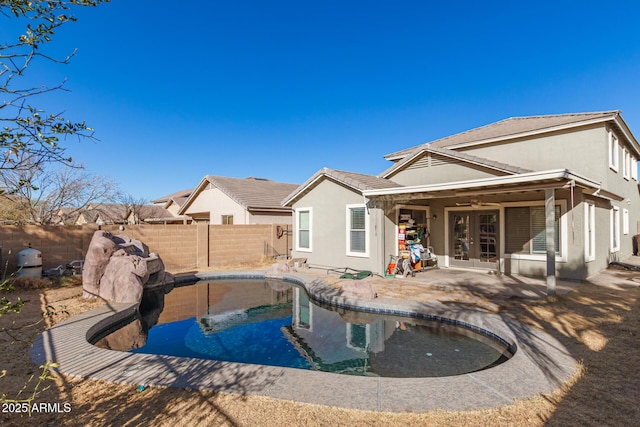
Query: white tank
[29, 262]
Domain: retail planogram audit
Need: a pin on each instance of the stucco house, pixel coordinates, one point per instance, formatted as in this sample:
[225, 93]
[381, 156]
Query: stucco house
[106, 213]
[553, 195]
[225, 200]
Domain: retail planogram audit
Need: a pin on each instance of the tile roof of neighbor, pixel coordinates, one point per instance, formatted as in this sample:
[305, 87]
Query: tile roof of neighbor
[357, 181]
[177, 196]
[109, 211]
[253, 193]
[513, 127]
[153, 211]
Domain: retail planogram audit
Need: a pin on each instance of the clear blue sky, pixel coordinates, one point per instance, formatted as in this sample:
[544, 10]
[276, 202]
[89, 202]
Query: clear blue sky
[280, 89]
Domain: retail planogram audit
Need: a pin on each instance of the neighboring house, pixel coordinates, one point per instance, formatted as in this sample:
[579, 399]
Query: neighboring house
[153, 214]
[103, 213]
[223, 200]
[66, 216]
[173, 202]
[553, 195]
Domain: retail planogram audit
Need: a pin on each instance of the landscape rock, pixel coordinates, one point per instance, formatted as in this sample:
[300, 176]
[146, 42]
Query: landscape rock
[277, 270]
[118, 268]
[101, 248]
[124, 278]
[358, 289]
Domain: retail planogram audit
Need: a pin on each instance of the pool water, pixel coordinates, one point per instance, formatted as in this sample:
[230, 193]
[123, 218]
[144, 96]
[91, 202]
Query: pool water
[275, 323]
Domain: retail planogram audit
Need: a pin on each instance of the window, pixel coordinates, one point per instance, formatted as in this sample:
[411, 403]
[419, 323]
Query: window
[357, 226]
[357, 336]
[626, 163]
[625, 221]
[526, 230]
[303, 312]
[303, 222]
[613, 151]
[589, 232]
[227, 219]
[615, 229]
[634, 168]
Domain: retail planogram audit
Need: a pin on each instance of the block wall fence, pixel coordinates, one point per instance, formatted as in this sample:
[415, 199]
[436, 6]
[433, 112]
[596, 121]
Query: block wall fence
[181, 247]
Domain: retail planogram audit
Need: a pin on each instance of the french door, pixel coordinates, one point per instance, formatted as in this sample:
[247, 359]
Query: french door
[473, 239]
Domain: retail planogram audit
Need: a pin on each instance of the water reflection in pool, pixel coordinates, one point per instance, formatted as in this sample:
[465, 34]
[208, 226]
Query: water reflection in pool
[274, 323]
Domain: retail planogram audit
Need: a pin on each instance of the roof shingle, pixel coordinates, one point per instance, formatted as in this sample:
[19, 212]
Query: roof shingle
[253, 193]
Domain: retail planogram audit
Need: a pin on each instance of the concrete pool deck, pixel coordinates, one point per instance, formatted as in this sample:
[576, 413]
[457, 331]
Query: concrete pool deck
[539, 365]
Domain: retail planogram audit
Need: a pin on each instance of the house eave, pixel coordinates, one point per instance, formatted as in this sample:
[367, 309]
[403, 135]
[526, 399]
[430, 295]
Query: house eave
[258, 209]
[545, 179]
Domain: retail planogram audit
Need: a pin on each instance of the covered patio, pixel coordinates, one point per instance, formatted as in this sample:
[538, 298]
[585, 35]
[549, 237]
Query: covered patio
[445, 202]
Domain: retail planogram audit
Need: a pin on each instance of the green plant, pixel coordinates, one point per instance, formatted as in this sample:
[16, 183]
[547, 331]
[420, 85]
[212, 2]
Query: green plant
[7, 306]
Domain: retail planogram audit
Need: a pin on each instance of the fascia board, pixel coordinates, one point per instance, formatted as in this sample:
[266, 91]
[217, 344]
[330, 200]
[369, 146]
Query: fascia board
[628, 134]
[512, 179]
[290, 198]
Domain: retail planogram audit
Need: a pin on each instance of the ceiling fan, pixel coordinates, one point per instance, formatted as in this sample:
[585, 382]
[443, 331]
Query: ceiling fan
[478, 204]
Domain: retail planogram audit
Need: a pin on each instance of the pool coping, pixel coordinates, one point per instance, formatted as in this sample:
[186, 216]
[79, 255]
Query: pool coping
[540, 364]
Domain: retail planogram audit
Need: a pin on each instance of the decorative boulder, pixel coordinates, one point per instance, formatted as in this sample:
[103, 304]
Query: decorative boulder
[124, 278]
[358, 289]
[118, 268]
[101, 248]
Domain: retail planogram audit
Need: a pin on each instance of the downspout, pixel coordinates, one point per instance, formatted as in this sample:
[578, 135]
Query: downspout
[573, 225]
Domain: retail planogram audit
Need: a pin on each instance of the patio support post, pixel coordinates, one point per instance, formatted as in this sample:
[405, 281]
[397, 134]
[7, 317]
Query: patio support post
[549, 203]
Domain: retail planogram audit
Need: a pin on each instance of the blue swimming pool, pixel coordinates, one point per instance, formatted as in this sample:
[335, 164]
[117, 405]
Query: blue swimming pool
[274, 323]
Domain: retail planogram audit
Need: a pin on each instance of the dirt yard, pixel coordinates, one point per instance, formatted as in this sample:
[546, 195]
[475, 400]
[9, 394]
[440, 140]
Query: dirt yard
[598, 322]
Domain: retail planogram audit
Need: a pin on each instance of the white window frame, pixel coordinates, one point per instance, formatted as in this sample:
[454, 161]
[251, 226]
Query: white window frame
[615, 229]
[626, 163]
[613, 151]
[625, 221]
[297, 236]
[348, 209]
[589, 231]
[634, 168]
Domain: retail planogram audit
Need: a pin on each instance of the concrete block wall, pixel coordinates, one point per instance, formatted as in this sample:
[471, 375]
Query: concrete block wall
[181, 247]
[60, 244]
[237, 244]
[175, 243]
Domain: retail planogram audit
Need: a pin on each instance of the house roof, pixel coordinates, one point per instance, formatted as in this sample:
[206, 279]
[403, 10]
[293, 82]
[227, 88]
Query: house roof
[356, 181]
[178, 198]
[156, 213]
[456, 155]
[109, 212]
[153, 211]
[517, 127]
[253, 194]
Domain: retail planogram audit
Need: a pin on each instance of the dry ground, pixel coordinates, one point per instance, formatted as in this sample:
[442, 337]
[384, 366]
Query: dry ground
[598, 322]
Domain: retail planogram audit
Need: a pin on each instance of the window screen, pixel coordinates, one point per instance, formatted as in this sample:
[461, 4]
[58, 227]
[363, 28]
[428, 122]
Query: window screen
[526, 230]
